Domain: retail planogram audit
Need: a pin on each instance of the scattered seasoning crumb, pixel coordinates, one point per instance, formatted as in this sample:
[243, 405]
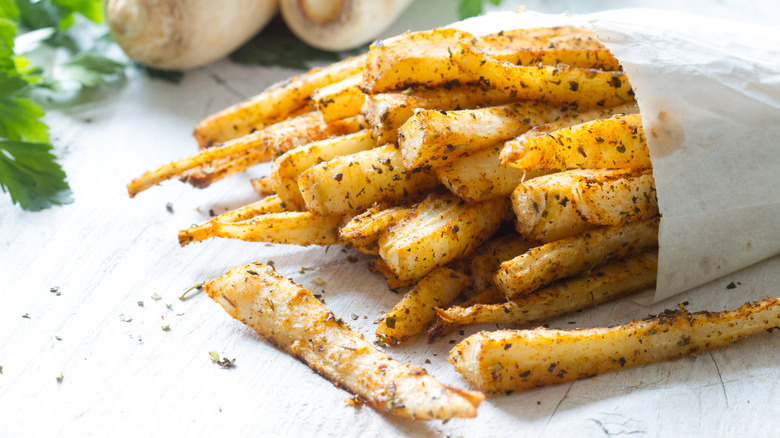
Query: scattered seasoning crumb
[1, 369]
[169, 306]
[270, 263]
[55, 290]
[731, 285]
[196, 286]
[125, 318]
[214, 356]
[318, 281]
[59, 378]
[354, 317]
[354, 401]
[57, 338]
[352, 259]
[452, 341]
[140, 304]
[427, 361]
[211, 212]
[166, 328]
[26, 315]
[156, 297]
[169, 207]
[572, 322]
[538, 402]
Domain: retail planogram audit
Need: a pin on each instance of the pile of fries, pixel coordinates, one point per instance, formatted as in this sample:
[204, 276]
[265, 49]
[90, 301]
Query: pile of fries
[505, 179]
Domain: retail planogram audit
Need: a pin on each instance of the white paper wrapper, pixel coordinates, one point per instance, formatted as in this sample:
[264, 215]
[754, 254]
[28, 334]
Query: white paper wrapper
[709, 94]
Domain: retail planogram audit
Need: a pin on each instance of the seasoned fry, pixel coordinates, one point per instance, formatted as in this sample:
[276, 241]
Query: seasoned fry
[354, 182]
[524, 359]
[575, 47]
[340, 100]
[292, 319]
[481, 266]
[439, 230]
[557, 84]
[263, 186]
[617, 142]
[588, 289]
[417, 308]
[393, 281]
[289, 227]
[545, 207]
[621, 198]
[418, 58]
[440, 327]
[386, 112]
[545, 264]
[197, 233]
[364, 229]
[262, 145]
[482, 176]
[273, 104]
[432, 138]
[289, 166]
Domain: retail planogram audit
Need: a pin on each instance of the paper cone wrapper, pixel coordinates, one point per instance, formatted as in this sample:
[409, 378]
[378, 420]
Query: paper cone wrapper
[709, 94]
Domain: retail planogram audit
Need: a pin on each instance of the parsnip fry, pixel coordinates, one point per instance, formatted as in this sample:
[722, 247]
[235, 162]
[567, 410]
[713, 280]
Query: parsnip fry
[290, 227]
[417, 308]
[439, 230]
[524, 359]
[293, 320]
[482, 264]
[263, 186]
[354, 182]
[288, 167]
[575, 47]
[273, 104]
[386, 112]
[440, 327]
[418, 58]
[432, 138]
[617, 200]
[557, 84]
[271, 145]
[365, 228]
[393, 281]
[481, 176]
[340, 100]
[545, 207]
[197, 233]
[588, 289]
[545, 264]
[214, 163]
[617, 142]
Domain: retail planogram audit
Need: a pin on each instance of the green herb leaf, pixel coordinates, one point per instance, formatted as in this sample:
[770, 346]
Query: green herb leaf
[173, 77]
[92, 9]
[472, 8]
[92, 70]
[276, 45]
[9, 10]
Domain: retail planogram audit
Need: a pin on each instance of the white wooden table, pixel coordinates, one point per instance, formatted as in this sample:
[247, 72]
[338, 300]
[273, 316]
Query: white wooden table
[88, 288]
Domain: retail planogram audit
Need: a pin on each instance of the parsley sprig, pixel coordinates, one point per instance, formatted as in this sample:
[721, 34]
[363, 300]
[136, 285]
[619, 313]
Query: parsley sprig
[29, 171]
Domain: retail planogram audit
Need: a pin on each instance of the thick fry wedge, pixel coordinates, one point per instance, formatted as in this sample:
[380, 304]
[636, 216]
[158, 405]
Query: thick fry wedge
[440, 327]
[289, 166]
[273, 145]
[354, 182]
[386, 112]
[523, 359]
[340, 100]
[273, 104]
[432, 138]
[364, 229]
[292, 319]
[481, 266]
[558, 84]
[439, 229]
[617, 142]
[414, 312]
[263, 186]
[197, 233]
[600, 285]
[563, 258]
[575, 47]
[545, 206]
[616, 197]
[417, 58]
[482, 176]
[289, 227]
[393, 281]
